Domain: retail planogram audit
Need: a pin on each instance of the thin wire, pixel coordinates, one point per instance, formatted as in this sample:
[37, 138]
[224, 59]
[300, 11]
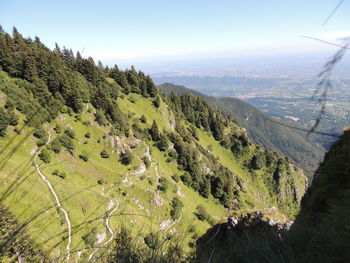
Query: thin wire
[333, 12]
[326, 42]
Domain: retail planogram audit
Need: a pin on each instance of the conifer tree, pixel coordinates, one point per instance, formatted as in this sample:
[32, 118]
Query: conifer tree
[154, 131]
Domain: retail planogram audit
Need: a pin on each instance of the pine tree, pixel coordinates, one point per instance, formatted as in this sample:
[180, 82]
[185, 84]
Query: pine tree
[163, 143]
[29, 68]
[3, 122]
[154, 131]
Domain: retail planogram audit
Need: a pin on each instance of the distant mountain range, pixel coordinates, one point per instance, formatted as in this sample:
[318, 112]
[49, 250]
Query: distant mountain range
[264, 130]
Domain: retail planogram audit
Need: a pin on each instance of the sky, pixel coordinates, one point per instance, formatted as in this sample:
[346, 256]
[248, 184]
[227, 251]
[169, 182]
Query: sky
[162, 30]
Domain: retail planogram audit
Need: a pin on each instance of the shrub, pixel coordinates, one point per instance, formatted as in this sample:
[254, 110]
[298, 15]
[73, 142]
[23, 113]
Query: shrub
[146, 161]
[104, 154]
[87, 135]
[39, 133]
[58, 129]
[83, 157]
[44, 155]
[256, 163]
[202, 213]
[90, 238]
[41, 142]
[192, 228]
[176, 207]
[126, 158]
[176, 177]
[62, 175]
[16, 130]
[70, 133]
[186, 179]
[152, 241]
[101, 181]
[163, 184]
[3, 122]
[101, 118]
[56, 146]
[66, 142]
[12, 118]
[59, 174]
[156, 102]
[143, 118]
[132, 100]
[163, 144]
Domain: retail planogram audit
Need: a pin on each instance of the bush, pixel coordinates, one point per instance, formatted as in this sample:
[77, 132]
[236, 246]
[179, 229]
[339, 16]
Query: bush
[44, 155]
[101, 118]
[101, 181]
[192, 228]
[41, 142]
[83, 157]
[152, 241]
[56, 146]
[39, 133]
[256, 163]
[59, 174]
[66, 142]
[3, 122]
[163, 184]
[176, 177]
[176, 207]
[58, 129]
[12, 118]
[146, 161]
[186, 179]
[143, 118]
[87, 135]
[173, 154]
[202, 213]
[126, 158]
[156, 102]
[163, 144]
[90, 238]
[104, 154]
[70, 133]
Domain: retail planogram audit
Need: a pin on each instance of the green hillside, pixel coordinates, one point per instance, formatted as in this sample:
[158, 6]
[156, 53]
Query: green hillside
[262, 129]
[87, 150]
[320, 232]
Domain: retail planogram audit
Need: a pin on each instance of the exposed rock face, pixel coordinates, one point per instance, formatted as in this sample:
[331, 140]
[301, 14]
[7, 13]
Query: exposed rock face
[292, 184]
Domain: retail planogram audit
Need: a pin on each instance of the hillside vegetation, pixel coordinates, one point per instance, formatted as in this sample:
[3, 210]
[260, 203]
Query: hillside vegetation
[320, 232]
[262, 129]
[91, 156]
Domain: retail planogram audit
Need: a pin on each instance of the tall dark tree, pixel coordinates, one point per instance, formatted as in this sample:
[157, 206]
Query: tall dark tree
[154, 131]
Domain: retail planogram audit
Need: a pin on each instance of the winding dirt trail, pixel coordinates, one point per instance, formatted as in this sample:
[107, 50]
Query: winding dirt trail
[172, 224]
[108, 228]
[58, 203]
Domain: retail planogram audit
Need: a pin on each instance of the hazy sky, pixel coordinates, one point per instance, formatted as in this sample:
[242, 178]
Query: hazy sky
[129, 30]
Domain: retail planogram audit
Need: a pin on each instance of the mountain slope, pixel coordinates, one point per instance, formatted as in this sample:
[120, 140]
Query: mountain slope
[320, 232]
[262, 130]
[86, 150]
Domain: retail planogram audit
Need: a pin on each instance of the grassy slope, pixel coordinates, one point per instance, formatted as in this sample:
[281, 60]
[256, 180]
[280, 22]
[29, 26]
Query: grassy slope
[81, 195]
[87, 201]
